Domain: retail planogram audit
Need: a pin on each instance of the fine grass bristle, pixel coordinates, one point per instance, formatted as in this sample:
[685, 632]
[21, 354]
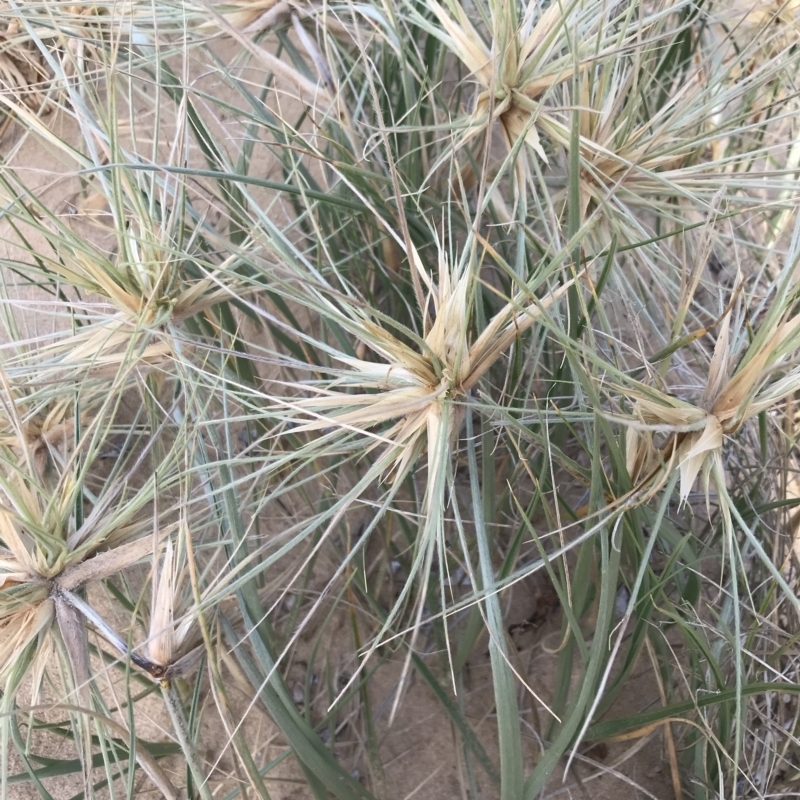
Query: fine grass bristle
[398, 399]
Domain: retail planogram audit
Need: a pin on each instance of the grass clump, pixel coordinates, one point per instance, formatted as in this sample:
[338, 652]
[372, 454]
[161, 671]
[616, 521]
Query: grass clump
[360, 367]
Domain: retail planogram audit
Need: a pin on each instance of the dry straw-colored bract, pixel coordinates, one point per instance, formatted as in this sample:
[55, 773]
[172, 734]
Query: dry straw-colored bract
[697, 432]
[627, 149]
[408, 385]
[42, 563]
[23, 73]
[42, 45]
[64, 525]
[250, 16]
[521, 62]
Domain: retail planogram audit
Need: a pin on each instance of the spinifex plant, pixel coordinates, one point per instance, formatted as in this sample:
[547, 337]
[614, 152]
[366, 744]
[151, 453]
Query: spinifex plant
[398, 325]
[53, 546]
[727, 402]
